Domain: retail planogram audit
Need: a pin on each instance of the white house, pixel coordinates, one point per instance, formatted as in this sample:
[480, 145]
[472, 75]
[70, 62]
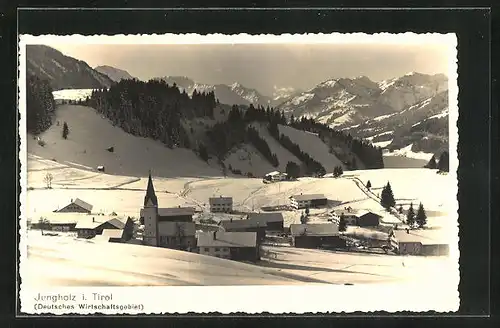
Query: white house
[241, 246]
[310, 200]
[221, 204]
[166, 227]
[276, 176]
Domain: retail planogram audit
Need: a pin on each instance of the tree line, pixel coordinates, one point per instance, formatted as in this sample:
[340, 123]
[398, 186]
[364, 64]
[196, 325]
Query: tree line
[370, 155]
[152, 109]
[443, 165]
[311, 166]
[40, 104]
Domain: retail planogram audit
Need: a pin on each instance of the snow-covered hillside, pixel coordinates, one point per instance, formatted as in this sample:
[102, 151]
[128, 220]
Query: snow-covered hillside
[282, 94]
[72, 94]
[90, 135]
[312, 145]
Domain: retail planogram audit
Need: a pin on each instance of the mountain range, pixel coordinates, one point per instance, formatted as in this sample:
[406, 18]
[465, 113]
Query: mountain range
[411, 110]
[114, 73]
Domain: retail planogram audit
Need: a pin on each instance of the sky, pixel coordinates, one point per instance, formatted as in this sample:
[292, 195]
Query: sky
[264, 66]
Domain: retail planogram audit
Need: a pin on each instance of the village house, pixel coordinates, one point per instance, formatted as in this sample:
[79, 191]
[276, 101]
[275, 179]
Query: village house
[273, 220]
[316, 235]
[245, 226]
[76, 206]
[112, 236]
[167, 227]
[238, 246]
[275, 176]
[362, 218]
[221, 204]
[54, 221]
[415, 242]
[93, 225]
[310, 200]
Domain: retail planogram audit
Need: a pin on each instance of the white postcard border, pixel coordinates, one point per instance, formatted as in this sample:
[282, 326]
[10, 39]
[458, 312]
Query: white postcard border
[440, 295]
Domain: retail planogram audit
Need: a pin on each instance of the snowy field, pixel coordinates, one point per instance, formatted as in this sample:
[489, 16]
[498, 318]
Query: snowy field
[67, 261]
[72, 94]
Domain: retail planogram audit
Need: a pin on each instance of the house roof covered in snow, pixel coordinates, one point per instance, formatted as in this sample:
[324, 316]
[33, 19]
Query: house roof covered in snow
[425, 237]
[220, 199]
[80, 203]
[112, 233]
[266, 217]
[172, 229]
[314, 229]
[61, 217]
[176, 211]
[94, 221]
[242, 224]
[273, 173]
[306, 197]
[227, 239]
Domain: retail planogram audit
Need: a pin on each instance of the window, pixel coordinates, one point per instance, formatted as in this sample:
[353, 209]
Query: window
[207, 249]
[216, 249]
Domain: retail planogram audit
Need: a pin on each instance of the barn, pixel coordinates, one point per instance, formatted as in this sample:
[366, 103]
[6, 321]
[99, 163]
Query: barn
[421, 242]
[238, 246]
[76, 206]
[245, 226]
[316, 235]
[93, 225]
[273, 220]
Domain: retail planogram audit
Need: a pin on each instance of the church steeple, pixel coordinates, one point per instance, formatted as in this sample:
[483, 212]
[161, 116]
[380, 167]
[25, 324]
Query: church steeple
[150, 198]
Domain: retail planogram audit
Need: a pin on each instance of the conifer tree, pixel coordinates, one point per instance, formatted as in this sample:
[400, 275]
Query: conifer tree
[368, 185]
[400, 209]
[387, 197]
[444, 162]
[342, 223]
[421, 217]
[65, 130]
[410, 216]
[432, 163]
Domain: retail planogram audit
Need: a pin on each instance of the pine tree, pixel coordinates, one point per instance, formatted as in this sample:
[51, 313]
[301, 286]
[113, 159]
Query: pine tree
[444, 162]
[432, 163]
[65, 130]
[368, 185]
[400, 209]
[421, 217]
[387, 197]
[410, 216]
[342, 223]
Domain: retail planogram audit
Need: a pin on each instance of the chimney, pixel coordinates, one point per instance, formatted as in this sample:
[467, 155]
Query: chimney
[407, 231]
[93, 219]
[71, 200]
[231, 220]
[215, 235]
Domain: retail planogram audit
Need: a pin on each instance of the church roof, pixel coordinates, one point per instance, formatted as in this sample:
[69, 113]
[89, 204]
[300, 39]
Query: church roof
[150, 193]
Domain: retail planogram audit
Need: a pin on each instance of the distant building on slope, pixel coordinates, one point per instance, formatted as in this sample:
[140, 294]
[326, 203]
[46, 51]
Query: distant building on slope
[238, 246]
[221, 204]
[167, 227]
[275, 176]
[361, 218]
[307, 200]
[76, 206]
[421, 242]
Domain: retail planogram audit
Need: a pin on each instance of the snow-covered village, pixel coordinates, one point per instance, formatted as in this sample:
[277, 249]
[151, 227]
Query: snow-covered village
[162, 180]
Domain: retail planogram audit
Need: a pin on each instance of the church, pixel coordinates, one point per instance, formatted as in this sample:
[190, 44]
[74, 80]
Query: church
[167, 227]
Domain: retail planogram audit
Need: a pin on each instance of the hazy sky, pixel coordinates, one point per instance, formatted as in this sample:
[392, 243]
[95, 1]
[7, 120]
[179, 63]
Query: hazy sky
[263, 66]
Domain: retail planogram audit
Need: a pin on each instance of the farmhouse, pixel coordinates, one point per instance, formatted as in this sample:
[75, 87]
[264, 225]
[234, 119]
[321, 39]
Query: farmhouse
[415, 242]
[245, 226]
[221, 204]
[275, 176]
[310, 200]
[239, 246]
[273, 221]
[111, 235]
[166, 227]
[55, 221]
[316, 235]
[93, 225]
[362, 218]
[76, 206]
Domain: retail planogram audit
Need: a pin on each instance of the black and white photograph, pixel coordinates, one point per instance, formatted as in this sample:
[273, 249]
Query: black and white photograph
[204, 165]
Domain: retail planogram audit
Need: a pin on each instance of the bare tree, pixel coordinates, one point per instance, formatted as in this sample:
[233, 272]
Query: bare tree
[48, 180]
[43, 223]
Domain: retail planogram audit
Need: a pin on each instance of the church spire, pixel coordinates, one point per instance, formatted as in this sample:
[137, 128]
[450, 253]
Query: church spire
[150, 197]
